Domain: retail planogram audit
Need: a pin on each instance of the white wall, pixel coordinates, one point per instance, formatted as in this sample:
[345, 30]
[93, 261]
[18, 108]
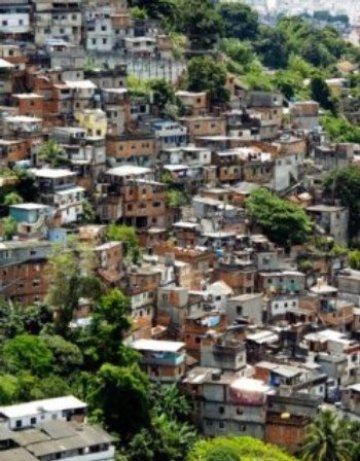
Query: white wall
[15, 23]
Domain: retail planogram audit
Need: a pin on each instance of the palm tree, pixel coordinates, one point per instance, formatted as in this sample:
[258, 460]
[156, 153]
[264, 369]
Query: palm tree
[327, 440]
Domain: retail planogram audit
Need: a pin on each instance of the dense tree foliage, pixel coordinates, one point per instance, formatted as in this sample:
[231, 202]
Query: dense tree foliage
[123, 233]
[327, 440]
[50, 153]
[207, 74]
[273, 47]
[240, 21]
[354, 259]
[202, 24]
[320, 92]
[72, 277]
[121, 394]
[27, 352]
[236, 449]
[102, 342]
[282, 221]
[341, 130]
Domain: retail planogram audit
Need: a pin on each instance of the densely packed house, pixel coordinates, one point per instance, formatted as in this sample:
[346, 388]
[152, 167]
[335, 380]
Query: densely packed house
[257, 340]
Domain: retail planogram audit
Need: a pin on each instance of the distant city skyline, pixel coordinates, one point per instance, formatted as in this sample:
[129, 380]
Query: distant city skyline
[349, 7]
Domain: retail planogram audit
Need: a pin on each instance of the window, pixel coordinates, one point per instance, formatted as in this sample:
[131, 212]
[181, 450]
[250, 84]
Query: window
[18, 423]
[209, 423]
[197, 339]
[221, 425]
[239, 310]
[93, 41]
[129, 207]
[21, 22]
[242, 427]
[155, 371]
[33, 421]
[239, 411]
[104, 40]
[221, 410]
[4, 23]
[36, 283]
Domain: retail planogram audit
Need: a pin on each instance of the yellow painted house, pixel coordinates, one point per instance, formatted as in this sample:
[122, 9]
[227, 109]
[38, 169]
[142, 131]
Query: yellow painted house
[94, 121]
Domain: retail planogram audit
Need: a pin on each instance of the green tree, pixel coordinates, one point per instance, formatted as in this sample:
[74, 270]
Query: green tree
[257, 79]
[122, 395]
[240, 21]
[167, 439]
[340, 129]
[166, 10]
[50, 152]
[27, 352]
[163, 94]
[240, 52]
[326, 440]
[15, 320]
[272, 47]
[71, 271]
[354, 259]
[26, 186]
[9, 227]
[89, 214]
[48, 387]
[344, 184]
[206, 74]
[168, 401]
[110, 322]
[138, 13]
[125, 234]
[202, 24]
[316, 53]
[320, 92]
[319, 46]
[13, 198]
[352, 429]
[176, 199]
[236, 449]
[283, 222]
[68, 356]
[8, 389]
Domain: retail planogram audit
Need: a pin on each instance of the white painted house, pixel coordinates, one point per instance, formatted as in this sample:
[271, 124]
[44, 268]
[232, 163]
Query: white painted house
[33, 414]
